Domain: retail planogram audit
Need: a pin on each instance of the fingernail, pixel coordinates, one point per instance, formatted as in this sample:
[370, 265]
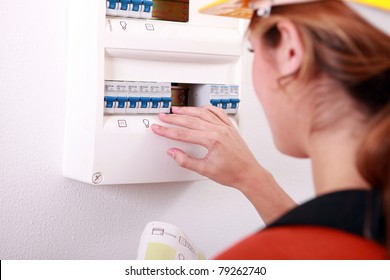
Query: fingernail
[162, 115]
[171, 154]
[155, 126]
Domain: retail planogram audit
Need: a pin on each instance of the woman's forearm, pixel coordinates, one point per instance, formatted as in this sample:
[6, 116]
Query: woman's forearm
[266, 195]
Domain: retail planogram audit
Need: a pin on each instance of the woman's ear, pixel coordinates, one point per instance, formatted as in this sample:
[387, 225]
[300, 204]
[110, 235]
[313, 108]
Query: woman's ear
[289, 52]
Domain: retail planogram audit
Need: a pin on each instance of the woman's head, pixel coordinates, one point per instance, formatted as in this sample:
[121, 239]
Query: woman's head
[323, 61]
[318, 66]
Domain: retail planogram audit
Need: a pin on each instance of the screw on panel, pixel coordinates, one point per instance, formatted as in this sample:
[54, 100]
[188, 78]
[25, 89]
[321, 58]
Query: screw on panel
[97, 178]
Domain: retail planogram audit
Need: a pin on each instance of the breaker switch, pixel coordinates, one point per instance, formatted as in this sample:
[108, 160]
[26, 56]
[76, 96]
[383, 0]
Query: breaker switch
[110, 101]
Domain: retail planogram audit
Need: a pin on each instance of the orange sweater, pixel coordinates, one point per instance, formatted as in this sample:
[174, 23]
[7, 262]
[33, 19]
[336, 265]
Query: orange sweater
[304, 243]
[341, 225]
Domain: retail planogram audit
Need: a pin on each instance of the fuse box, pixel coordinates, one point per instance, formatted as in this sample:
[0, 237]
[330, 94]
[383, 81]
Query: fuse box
[129, 60]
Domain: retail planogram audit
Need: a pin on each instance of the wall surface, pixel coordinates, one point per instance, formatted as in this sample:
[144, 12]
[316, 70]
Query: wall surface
[46, 216]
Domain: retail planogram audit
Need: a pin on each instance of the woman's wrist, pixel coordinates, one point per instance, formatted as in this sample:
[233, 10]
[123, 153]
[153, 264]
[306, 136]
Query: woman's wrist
[266, 195]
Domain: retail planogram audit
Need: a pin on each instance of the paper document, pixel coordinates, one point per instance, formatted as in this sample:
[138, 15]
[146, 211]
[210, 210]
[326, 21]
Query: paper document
[163, 241]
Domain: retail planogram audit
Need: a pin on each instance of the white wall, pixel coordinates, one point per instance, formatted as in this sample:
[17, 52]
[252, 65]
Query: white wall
[46, 216]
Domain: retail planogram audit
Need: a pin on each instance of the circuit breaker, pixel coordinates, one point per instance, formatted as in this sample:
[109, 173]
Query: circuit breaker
[129, 60]
[130, 8]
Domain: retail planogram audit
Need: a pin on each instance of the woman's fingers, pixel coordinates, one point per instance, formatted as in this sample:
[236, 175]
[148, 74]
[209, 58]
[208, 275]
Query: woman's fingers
[205, 118]
[186, 161]
[186, 121]
[209, 114]
[182, 134]
[219, 113]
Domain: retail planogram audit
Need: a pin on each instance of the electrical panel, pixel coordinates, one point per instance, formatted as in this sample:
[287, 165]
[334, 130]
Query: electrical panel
[128, 61]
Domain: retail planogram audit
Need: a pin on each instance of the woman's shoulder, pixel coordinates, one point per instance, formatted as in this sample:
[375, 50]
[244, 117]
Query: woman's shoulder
[304, 242]
[341, 225]
[354, 211]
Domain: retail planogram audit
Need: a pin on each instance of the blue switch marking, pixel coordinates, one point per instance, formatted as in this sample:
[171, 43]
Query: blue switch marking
[121, 101]
[156, 102]
[113, 4]
[215, 102]
[225, 102]
[109, 101]
[125, 4]
[133, 102]
[144, 102]
[148, 6]
[136, 5]
[234, 102]
[166, 101]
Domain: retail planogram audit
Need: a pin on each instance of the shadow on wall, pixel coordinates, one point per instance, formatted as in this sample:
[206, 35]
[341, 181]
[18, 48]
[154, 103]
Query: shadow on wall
[137, 204]
[97, 219]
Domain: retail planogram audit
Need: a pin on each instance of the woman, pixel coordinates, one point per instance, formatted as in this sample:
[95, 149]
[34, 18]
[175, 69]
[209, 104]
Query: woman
[322, 75]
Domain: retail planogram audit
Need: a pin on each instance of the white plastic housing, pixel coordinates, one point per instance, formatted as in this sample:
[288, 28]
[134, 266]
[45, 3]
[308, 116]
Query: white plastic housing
[121, 148]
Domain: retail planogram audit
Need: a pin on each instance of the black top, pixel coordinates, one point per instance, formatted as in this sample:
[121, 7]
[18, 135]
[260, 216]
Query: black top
[355, 211]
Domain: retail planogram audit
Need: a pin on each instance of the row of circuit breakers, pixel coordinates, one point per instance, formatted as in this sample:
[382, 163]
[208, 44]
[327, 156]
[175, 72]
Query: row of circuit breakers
[130, 8]
[126, 97]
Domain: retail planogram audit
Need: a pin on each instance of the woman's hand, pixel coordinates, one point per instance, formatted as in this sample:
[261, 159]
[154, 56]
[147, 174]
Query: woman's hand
[228, 161]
